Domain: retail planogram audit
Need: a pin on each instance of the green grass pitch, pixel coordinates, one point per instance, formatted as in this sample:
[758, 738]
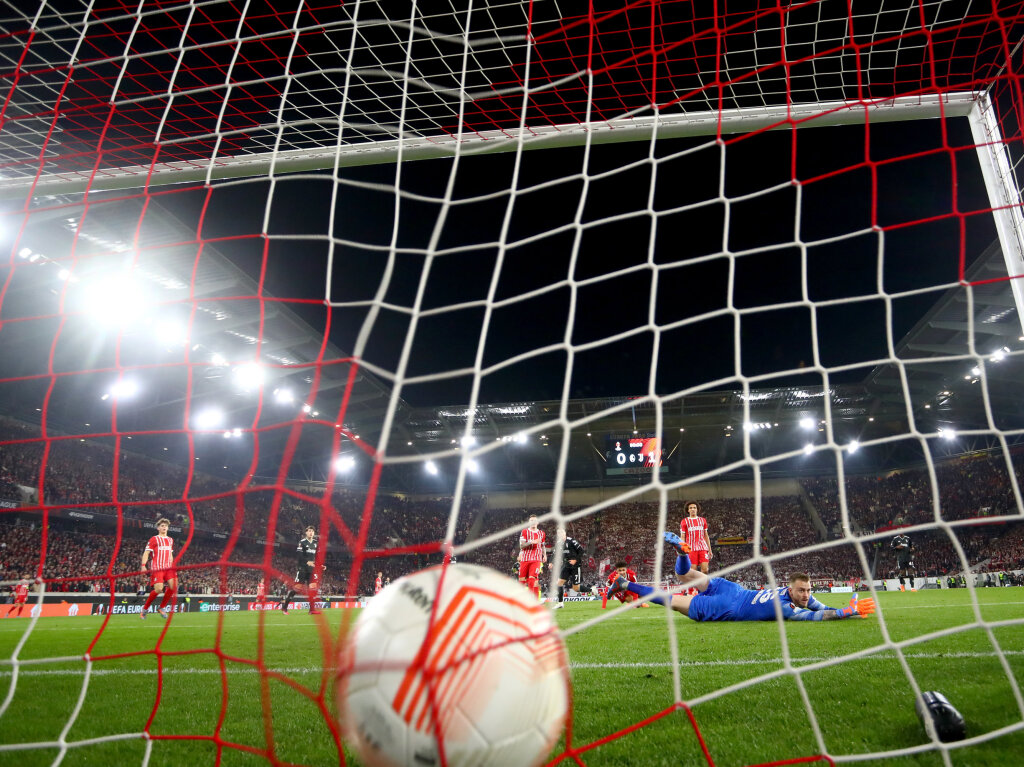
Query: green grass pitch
[621, 671]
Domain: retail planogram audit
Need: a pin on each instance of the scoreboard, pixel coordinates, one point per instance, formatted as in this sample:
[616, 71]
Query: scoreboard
[633, 455]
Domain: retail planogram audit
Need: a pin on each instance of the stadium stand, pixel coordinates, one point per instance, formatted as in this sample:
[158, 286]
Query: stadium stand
[79, 472]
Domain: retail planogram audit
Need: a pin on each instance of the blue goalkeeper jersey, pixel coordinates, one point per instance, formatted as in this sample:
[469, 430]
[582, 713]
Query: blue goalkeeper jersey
[726, 601]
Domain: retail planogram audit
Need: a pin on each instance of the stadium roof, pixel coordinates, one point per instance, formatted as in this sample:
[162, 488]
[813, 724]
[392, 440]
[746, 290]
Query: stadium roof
[956, 396]
[703, 430]
[120, 311]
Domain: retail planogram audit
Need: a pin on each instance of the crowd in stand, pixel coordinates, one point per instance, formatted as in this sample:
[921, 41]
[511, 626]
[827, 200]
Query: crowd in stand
[969, 487]
[79, 474]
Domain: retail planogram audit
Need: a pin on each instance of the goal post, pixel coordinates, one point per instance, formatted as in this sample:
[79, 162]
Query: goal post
[1003, 193]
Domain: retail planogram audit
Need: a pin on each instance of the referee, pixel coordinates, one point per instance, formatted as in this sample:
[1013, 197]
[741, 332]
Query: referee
[572, 566]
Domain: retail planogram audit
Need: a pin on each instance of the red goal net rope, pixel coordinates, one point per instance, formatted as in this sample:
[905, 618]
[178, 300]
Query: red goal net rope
[212, 312]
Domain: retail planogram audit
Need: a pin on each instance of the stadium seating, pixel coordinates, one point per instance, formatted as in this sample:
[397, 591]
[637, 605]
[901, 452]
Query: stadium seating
[78, 474]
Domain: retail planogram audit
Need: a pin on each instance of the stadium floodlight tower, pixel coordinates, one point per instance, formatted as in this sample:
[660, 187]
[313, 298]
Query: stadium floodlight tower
[625, 188]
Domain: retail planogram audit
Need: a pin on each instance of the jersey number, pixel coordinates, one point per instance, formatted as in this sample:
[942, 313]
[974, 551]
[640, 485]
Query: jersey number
[764, 596]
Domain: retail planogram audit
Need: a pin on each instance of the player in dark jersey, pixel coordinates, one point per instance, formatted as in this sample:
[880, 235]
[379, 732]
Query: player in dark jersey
[572, 565]
[904, 559]
[720, 600]
[306, 574]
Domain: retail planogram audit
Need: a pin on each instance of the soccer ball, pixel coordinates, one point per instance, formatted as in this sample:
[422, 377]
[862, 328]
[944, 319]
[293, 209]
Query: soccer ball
[479, 670]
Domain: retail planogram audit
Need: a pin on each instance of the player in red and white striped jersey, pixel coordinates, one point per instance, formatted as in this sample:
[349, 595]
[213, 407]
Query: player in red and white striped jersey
[378, 583]
[162, 578]
[261, 592]
[20, 591]
[693, 529]
[622, 570]
[532, 554]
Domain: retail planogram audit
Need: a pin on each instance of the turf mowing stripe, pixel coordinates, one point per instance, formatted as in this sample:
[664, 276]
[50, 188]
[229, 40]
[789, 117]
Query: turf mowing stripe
[583, 665]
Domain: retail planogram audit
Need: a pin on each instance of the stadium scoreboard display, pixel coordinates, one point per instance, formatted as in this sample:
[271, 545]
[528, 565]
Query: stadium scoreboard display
[633, 455]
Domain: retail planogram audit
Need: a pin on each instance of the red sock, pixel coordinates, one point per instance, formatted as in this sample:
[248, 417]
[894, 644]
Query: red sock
[531, 584]
[20, 608]
[149, 600]
[168, 596]
[312, 596]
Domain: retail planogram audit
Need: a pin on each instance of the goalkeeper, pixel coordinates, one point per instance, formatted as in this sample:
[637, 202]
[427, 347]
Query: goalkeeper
[720, 600]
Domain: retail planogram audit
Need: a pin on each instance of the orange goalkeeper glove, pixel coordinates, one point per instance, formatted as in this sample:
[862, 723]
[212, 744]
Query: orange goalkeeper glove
[858, 608]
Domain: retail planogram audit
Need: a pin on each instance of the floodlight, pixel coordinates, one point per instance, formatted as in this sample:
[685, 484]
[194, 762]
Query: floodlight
[468, 441]
[808, 448]
[472, 466]
[998, 355]
[284, 396]
[947, 433]
[806, 423]
[520, 437]
[124, 388]
[975, 371]
[344, 463]
[431, 467]
[63, 274]
[209, 419]
[25, 252]
[249, 376]
[236, 432]
[218, 359]
[307, 408]
[854, 446]
[114, 300]
[171, 334]
[748, 426]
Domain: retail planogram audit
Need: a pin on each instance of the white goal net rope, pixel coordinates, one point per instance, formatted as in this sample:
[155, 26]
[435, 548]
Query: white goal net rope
[269, 266]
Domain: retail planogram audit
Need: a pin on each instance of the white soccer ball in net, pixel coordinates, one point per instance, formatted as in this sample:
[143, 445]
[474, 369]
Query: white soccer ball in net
[484, 669]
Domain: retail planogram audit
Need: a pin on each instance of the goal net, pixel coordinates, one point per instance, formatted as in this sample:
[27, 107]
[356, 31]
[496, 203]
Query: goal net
[408, 273]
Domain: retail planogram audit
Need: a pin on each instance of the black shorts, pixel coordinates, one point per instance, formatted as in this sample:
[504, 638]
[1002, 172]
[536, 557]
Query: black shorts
[905, 563]
[304, 575]
[571, 574]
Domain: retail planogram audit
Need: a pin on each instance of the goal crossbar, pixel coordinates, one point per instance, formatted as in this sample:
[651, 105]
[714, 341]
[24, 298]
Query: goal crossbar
[628, 128]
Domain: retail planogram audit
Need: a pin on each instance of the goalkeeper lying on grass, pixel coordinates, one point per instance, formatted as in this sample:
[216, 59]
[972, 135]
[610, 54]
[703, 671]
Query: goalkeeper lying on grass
[721, 600]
